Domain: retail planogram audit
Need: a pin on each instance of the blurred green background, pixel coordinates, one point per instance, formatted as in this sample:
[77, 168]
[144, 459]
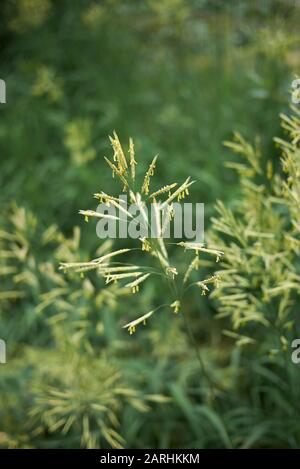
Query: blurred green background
[178, 77]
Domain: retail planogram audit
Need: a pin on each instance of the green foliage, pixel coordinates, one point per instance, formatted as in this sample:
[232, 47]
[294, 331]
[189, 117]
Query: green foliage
[174, 75]
[70, 386]
[261, 276]
[259, 290]
[83, 402]
[178, 76]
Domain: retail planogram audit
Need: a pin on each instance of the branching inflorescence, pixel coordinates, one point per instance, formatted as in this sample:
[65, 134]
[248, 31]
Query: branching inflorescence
[133, 276]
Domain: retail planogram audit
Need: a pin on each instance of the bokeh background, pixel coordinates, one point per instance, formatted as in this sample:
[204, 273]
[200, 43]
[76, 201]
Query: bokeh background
[178, 77]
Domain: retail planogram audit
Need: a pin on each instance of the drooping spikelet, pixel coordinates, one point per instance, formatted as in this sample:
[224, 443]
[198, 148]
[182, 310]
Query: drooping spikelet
[119, 155]
[131, 326]
[117, 171]
[135, 284]
[198, 247]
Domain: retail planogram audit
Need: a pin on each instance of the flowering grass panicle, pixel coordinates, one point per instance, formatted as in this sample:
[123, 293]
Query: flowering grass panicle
[114, 270]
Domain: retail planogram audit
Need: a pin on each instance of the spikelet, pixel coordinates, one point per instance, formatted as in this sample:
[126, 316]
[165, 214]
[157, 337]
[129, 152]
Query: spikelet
[146, 246]
[113, 277]
[108, 269]
[203, 287]
[141, 206]
[116, 171]
[11, 295]
[163, 190]
[103, 197]
[187, 245]
[111, 254]
[194, 265]
[93, 264]
[115, 202]
[241, 146]
[8, 270]
[292, 125]
[78, 266]
[171, 272]
[176, 306]
[157, 213]
[164, 262]
[118, 156]
[92, 213]
[131, 326]
[203, 284]
[180, 192]
[8, 236]
[168, 212]
[133, 163]
[199, 247]
[150, 172]
[135, 284]
[133, 197]
[160, 239]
